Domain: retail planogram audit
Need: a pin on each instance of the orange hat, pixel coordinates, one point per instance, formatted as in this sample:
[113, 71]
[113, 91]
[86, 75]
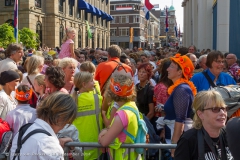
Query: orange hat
[23, 96]
[119, 90]
[185, 63]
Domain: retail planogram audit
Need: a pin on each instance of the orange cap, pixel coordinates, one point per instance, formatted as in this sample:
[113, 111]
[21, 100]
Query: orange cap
[119, 90]
[23, 96]
[185, 63]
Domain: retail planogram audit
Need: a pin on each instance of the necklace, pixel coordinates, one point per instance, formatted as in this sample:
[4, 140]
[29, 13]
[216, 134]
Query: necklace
[140, 88]
[180, 81]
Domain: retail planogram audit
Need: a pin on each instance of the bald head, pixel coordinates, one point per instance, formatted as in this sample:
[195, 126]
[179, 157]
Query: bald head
[231, 59]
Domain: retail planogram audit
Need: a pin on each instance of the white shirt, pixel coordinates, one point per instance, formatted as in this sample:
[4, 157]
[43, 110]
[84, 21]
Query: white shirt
[6, 104]
[39, 146]
[21, 115]
[7, 64]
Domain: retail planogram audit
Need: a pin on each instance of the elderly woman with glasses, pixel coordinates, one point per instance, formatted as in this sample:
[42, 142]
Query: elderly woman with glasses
[214, 75]
[207, 140]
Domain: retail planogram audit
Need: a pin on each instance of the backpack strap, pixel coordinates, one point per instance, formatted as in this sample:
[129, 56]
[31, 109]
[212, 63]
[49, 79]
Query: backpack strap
[200, 145]
[138, 118]
[209, 79]
[20, 141]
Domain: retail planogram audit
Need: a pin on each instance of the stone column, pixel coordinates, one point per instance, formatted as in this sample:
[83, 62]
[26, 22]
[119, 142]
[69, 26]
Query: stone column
[195, 23]
[223, 12]
[187, 30]
[184, 23]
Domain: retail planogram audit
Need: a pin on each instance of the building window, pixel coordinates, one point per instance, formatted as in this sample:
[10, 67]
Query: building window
[79, 39]
[86, 16]
[136, 19]
[60, 5]
[106, 23]
[70, 8]
[9, 2]
[123, 19]
[113, 32]
[61, 32]
[102, 22]
[135, 32]
[38, 3]
[79, 14]
[98, 40]
[91, 17]
[112, 7]
[39, 32]
[86, 39]
[124, 32]
[97, 19]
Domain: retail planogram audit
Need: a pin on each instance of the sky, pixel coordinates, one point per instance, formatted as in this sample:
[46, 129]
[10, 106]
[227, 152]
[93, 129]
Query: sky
[177, 4]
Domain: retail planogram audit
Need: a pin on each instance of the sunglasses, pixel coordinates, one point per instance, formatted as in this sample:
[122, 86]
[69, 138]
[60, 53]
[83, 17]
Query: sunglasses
[216, 109]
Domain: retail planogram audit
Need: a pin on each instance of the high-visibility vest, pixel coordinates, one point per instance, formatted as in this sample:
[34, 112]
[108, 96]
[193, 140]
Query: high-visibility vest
[117, 153]
[89, 122]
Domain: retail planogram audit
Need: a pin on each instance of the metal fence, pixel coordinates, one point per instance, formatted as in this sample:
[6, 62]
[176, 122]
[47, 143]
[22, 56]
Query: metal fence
[129, 146]
[83, 145]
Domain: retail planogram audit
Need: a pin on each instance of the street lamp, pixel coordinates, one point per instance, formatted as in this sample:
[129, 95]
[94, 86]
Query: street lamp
[92, 31]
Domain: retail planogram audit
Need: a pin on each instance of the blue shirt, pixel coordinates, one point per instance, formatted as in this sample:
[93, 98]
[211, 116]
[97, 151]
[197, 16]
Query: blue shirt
[202, 83]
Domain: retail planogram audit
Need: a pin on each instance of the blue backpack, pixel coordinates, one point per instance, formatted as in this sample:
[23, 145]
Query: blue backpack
[142, 130]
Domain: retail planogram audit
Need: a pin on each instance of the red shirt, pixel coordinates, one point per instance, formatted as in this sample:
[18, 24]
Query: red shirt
[105, 69]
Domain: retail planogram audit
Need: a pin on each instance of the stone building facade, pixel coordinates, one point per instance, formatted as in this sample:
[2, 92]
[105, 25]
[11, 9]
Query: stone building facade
[50, 18]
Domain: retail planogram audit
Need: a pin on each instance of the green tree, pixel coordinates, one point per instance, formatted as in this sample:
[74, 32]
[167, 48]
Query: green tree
[6, 35]
[29, 38]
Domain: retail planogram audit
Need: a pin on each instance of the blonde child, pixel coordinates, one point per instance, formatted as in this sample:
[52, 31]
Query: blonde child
[40, 87]
[89, 121]
[67, 48]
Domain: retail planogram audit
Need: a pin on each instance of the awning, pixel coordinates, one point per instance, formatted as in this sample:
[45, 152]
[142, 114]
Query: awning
[104, 15]
[110, 18]
[98, 12]
[83, 5]
[91, 9]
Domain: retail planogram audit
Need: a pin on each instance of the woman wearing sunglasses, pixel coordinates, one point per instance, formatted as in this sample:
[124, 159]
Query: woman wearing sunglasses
[207, 140]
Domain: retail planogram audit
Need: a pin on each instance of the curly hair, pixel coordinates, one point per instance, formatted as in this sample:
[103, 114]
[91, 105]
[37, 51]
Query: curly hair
[55, 76]
[122, 80]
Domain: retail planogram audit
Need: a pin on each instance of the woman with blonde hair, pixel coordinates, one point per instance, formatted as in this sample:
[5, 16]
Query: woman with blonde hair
[121, 90]
[57, 110]
[89, 121]
[69, 66]
[40, 87]
[207, 140]
[34, 68]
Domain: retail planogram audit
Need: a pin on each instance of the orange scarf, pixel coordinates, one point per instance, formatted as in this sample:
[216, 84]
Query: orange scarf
[180, 81]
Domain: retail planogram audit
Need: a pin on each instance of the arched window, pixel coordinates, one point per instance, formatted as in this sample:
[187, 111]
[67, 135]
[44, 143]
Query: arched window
[10, 22]
[39, 32]
[86, 40]
[79, 38]
[61, 32]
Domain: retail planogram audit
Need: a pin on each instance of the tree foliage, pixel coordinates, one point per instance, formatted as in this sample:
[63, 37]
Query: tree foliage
[6, 35]
[27, 37]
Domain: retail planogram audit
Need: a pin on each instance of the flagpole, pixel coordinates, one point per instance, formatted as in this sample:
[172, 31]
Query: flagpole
[16, 20]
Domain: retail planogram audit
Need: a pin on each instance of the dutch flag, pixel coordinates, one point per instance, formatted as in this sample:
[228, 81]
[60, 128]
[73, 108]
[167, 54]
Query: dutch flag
[147, 7]
[166, 20]
[16, 20]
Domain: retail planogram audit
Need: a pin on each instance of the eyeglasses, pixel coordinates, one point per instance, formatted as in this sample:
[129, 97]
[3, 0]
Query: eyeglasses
[219, 62]
[216, 109]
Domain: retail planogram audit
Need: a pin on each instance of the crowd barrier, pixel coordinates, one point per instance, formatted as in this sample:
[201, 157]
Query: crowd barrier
[4, 156]
[129, 146]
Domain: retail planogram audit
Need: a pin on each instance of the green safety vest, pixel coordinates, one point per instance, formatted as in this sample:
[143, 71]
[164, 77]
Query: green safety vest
[117, 153]
[89, 122]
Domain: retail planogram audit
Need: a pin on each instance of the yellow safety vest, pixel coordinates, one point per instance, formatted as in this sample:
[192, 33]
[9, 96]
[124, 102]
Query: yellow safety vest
[89, 122]
[117, 153]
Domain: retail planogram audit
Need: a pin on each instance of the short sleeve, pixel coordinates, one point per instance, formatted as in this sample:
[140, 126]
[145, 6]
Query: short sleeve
[123, 117]
[69, 41]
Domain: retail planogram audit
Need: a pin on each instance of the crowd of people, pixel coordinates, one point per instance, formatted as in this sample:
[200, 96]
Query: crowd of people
[81, 95]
